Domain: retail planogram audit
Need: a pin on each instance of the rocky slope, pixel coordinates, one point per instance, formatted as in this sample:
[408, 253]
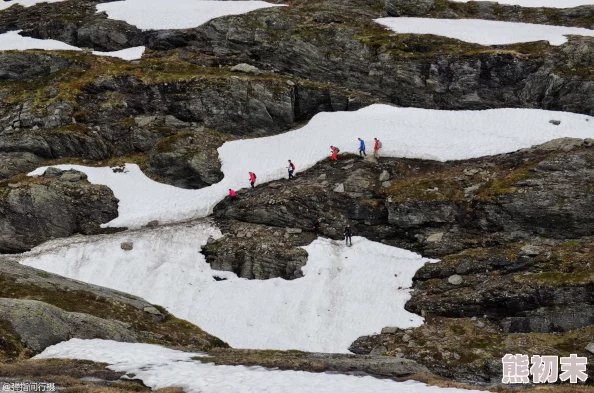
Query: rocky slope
[514, 231]
[40, 309]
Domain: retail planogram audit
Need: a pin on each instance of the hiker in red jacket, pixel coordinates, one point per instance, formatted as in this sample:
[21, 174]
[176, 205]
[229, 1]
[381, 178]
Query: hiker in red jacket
[252, 179]
[376, 148]
[232, 194]
[335, 151]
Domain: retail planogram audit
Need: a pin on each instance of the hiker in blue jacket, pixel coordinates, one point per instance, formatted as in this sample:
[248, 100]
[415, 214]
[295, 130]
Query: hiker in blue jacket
[362, 148]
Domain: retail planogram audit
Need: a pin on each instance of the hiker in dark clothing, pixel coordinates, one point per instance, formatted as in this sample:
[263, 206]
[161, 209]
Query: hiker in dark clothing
[316, 224]
[362, 148]
[291, 169]
[348, 234]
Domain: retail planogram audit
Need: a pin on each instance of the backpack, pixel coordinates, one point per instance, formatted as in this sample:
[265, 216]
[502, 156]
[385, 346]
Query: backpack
[255, 177]
[337, 150]
[379, 144]
[292, 166]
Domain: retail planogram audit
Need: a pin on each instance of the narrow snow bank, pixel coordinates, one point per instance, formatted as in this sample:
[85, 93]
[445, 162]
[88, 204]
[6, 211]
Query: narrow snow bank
[12, 40]
[134, 53]
[484, 32]
[540, 3]
[25, 3]
[405, 132]
[176, 14]
[346, 292]
[162, 368]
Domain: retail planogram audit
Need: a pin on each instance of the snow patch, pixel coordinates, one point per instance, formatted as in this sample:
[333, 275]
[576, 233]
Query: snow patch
[404, 132]
[346, 292]
[161, 368]
[176, 14]
[540, 3]
[134, 53]
[12, 40]
[25, 3]
[484, 32]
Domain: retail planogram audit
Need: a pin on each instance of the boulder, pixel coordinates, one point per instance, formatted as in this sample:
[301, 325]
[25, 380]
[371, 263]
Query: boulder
[127, 246]
[59, 205]
[246, 68]
[40, 325]
[455, 279]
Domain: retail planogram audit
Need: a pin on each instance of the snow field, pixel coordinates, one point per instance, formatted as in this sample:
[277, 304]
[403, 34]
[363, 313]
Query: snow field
[484, 32]
[346, 292]
[12, 40]
[161, 368]
[540, 3]
[404, 132]
[176, 14]
[25, 3]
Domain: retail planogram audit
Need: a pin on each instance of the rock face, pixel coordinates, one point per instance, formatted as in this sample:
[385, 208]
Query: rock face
[409, 7]
[40, 325]
[14, 163]
[518, 196]
[59, 204]
[188, 159]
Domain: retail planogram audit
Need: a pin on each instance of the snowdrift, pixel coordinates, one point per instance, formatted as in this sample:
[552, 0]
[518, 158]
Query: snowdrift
[160, 368]
[484, 32]
[345, 293]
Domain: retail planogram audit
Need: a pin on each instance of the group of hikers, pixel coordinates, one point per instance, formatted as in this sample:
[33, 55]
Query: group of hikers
[334, 157]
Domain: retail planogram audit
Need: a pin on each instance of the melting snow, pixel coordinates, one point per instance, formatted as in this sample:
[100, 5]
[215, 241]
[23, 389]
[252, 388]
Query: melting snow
[405, 132]
[176, 14]
[484, 32]
[12, 40]
[346, 292]
[541, 3]
[161, 368]
[25, 3]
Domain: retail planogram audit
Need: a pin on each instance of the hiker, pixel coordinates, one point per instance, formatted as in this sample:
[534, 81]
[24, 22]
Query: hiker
[335, 151]
[252, 179]
[232, 194]
[376, 148]
[316, 224]
[291, 169]
[362, 148]
[348, 234]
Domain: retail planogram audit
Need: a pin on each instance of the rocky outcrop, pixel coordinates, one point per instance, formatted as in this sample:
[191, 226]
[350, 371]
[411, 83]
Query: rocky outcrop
[575, 16]
[14, 163]
[259, 252]
[435, 208]
[188, 159]
[407, 70]
[26, 67]
[409, 7]
[532, 297]
[59, 204]
[379, 366]
[40, 325]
